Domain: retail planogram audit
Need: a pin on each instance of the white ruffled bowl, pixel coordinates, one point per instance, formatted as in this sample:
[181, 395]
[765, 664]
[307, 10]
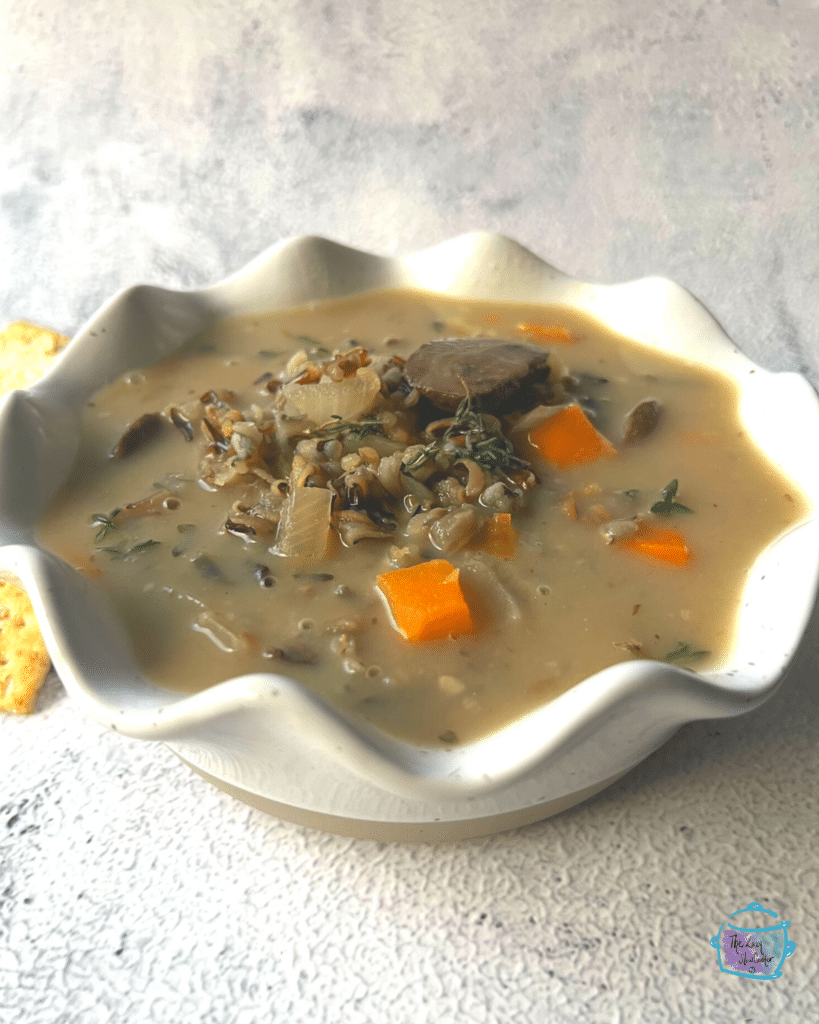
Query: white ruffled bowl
[271, 742]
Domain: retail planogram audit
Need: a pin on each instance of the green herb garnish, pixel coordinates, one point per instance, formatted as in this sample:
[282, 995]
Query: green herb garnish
[685, 652]
[118, 552]
[485, 443]
[668, 506]
[336, 426]
[105, 523]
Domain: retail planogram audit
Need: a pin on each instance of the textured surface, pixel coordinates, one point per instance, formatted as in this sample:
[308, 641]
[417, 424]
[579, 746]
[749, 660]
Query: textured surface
[171, 143]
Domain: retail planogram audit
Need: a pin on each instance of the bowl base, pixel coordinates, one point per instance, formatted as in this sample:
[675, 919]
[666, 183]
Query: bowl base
[420, 831]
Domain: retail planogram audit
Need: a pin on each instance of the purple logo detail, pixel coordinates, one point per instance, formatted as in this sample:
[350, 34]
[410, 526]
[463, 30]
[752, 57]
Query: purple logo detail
[753, 952]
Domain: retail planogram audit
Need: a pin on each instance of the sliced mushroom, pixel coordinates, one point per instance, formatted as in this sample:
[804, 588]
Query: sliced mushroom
[357, 526]
[137, 435]
[502, 375]
[642, 421]
[455, 530]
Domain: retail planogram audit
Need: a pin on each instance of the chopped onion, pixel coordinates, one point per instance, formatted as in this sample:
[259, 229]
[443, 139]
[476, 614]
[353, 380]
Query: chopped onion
[350, 399]
[304, 530]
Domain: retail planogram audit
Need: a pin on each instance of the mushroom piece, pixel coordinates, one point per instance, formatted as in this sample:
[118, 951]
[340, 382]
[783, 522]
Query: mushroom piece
[356, 526]
[137, 435]
[641, 421]
[455, 530]
[502, 375]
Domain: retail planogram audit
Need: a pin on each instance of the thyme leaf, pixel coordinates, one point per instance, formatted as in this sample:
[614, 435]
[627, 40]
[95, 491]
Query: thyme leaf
[484, 441]
[668, 506]
[118, 552]
[105, 523]
[358, 430]
[685, 652]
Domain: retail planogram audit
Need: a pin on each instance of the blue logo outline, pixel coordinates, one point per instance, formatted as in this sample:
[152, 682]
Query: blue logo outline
[718, 941]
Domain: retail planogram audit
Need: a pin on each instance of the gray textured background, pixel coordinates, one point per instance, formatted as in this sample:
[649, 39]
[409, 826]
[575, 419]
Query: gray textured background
[171, 142]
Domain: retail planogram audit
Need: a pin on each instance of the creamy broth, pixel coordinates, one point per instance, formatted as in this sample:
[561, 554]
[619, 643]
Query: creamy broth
[204, 603]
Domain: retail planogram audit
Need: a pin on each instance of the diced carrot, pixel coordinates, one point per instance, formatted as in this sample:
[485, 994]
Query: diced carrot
[658, 542]
[568, 438]
[497, 537]
[544, 332]
[426, 601]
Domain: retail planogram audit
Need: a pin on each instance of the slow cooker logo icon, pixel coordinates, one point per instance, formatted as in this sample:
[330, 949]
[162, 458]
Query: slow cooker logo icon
[753, 952]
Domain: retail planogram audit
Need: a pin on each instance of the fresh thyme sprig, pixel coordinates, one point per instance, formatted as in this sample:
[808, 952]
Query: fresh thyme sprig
[118, 552]
[685, 652]
[358, 430]
[668, 506]
[484, 441]
[105, 523]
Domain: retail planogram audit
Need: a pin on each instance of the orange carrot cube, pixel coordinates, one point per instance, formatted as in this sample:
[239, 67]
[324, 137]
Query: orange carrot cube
[426, 601]
[544, 332]
[567, 438]
[660, 543]
[497, 537]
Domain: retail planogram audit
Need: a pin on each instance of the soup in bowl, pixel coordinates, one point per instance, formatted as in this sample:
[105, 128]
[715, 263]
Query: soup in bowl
[452, 537]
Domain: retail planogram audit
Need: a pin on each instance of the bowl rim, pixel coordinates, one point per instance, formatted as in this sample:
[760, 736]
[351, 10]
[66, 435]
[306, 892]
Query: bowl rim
[329, 270]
